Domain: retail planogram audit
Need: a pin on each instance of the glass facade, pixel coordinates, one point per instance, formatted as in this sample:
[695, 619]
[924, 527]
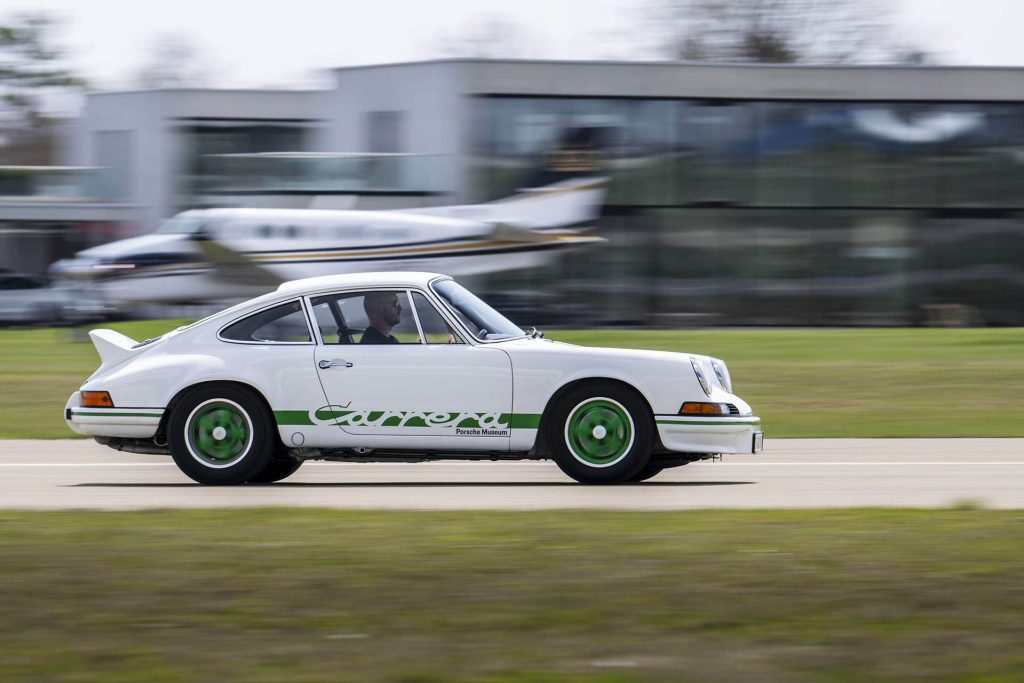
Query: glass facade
[779, 212]
[205, 146]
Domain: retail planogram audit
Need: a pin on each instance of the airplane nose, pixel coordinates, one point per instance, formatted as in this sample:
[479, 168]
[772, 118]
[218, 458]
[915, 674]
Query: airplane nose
[71, 267]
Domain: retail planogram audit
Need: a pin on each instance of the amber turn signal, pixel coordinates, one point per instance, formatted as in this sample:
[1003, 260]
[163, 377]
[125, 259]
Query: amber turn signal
[692, 408]
[96, 399]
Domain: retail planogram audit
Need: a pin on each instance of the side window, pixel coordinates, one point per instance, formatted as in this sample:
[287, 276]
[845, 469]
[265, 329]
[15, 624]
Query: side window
[435, 329]
[284, 323]
[377, 317]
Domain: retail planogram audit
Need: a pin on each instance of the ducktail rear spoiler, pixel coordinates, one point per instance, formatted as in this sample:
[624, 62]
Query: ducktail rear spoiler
[112, 346]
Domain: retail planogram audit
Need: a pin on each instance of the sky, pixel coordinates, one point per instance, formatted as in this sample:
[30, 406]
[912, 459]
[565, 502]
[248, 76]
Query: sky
[291, 44]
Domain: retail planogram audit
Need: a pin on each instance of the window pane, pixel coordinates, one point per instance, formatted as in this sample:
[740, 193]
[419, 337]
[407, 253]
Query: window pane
[284, 323]
[365, 318]
[435, 329]
[714, 160]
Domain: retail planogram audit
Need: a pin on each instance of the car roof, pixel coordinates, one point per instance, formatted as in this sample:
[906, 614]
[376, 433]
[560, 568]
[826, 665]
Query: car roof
[374, 279]
[312, 285]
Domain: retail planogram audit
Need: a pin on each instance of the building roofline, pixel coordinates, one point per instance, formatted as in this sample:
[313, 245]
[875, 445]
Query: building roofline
[188, 91]
[681, 64]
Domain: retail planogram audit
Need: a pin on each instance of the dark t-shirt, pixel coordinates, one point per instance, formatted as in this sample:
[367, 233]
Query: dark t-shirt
[374, 336]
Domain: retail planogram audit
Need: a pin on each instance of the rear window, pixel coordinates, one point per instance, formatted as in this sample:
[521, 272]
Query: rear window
[281, 324]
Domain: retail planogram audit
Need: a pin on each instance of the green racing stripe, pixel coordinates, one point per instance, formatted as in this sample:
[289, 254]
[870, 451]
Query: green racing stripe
[331, 415]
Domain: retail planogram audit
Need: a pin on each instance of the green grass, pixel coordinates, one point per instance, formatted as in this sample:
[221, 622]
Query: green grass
[275, 594]
[803, 383]
[860, 383]
[40, 368]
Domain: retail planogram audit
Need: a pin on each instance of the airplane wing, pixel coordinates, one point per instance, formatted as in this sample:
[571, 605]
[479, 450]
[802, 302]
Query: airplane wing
[234, 267]
[564, 204]
[510, 232]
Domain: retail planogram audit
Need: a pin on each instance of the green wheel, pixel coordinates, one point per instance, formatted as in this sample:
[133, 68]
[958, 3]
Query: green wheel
[221, 435]
[600, 433]
[218, 433]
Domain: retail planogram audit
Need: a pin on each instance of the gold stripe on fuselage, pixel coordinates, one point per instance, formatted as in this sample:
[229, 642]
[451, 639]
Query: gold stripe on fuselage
[434, 249]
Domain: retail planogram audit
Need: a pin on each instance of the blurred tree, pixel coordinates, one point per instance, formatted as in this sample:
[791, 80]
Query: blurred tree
[30, 69]
[489, 37]
[173, 63]
[782, 31]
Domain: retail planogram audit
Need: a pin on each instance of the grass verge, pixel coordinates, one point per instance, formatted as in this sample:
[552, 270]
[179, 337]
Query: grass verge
[803, 383]
[273, 594]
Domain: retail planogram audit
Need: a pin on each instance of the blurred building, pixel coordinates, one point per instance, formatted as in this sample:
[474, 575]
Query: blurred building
[781, 195]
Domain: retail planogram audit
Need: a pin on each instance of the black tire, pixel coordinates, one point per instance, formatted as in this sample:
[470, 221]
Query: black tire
[649, 471]
[656, 467]
[276, 470]
[600, 433]
[221, 435]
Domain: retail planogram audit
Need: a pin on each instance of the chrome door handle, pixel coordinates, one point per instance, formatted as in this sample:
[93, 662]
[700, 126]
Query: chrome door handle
[334, 363]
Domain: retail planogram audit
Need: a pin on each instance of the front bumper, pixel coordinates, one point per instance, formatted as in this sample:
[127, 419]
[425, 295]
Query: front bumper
[140, 423]
[710, 434]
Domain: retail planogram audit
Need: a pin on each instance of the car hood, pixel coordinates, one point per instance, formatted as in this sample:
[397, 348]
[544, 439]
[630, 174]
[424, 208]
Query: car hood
[550, 346]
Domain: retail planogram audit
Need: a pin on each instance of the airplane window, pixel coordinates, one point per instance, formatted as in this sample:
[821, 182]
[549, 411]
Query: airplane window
[281, 324]
[263, 231]
[291, 232]
[181, 225]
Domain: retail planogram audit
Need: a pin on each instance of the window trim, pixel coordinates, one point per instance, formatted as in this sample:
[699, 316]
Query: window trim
[240, 318]
[427, 294]
[458, 333]
[449, 309]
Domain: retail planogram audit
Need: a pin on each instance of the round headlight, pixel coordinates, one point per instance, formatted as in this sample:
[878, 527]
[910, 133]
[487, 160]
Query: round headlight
[722, 372]
[700, 377]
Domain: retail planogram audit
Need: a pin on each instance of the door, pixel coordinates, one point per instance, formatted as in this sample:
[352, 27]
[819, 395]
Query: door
[396, 375]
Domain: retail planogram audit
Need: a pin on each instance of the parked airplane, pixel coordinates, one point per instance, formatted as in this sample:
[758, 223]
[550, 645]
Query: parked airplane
[215, 254]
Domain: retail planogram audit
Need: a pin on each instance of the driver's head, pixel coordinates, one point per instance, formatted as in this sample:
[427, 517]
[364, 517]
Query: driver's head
[383, 307]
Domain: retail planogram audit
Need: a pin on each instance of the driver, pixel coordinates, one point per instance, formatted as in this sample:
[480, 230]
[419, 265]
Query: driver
[384, 312]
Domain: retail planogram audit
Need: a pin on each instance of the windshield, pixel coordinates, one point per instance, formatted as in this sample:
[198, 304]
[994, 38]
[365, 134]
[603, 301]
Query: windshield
[181, 225]
[480, 319]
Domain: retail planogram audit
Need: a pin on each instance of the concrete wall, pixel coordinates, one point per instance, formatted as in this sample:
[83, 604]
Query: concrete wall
[667, 79]
[434, 114]
[149, 120]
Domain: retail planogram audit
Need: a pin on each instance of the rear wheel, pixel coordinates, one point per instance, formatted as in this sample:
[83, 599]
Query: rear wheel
[276, 470]
[600, 433]
[221, 435]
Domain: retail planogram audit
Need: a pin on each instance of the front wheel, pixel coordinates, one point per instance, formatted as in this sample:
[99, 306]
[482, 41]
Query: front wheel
[600, 433]
[221, 435]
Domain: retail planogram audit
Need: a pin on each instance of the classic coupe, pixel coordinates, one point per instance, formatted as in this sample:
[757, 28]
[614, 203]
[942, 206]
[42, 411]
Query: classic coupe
[400, 367]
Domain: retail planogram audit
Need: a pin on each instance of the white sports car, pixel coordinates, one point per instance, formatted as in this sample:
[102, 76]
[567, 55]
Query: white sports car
[400, 367]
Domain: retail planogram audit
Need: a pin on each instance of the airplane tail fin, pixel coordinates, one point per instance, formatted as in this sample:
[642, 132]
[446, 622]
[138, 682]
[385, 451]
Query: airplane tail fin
[564, 204]
[565, 189]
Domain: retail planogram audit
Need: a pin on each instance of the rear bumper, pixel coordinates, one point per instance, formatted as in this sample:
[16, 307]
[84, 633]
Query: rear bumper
[140, 423]
[710, 434]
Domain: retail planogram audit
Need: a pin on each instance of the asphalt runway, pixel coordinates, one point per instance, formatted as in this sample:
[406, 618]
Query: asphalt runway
[791, 473]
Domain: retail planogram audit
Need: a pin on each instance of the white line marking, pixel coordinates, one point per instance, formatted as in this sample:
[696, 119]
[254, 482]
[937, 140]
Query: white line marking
[86, 464]
[919, 463]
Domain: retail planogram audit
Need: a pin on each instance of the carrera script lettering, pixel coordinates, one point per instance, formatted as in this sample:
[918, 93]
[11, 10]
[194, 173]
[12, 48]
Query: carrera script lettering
[464, 423]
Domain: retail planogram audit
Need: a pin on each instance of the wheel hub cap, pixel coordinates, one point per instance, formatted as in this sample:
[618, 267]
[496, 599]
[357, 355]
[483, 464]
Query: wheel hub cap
[219, 433]
[599, 431]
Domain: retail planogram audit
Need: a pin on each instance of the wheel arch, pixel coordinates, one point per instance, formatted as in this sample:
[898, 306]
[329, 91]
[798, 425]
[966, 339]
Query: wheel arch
[541, 447]
[186, 390]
